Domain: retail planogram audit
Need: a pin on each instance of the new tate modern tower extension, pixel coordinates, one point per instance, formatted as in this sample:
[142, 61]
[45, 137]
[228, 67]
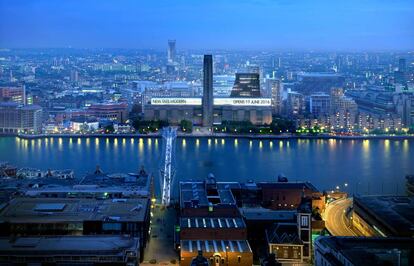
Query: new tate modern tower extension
[208, 91]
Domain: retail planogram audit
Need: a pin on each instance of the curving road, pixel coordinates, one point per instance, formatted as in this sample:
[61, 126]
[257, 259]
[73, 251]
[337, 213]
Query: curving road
[335, 219]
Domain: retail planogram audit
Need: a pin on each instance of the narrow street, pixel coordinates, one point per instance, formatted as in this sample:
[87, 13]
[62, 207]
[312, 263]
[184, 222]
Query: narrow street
[161, 245]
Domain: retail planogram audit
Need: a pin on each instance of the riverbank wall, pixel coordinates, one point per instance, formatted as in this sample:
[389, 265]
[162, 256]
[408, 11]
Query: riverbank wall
[218, 135]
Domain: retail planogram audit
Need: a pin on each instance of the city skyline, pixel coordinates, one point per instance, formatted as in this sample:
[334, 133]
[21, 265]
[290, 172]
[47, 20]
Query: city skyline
[266, 25]
[260, 132]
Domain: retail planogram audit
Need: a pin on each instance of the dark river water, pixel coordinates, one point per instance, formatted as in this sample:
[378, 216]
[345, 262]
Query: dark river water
[361, 166]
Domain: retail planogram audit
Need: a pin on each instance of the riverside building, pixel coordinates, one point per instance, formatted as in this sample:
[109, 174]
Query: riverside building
[245, 103]
[70, 250]
[15, 118]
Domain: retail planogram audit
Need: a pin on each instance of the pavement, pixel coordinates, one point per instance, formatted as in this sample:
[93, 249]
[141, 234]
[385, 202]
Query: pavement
[161, 244]
[336, 220]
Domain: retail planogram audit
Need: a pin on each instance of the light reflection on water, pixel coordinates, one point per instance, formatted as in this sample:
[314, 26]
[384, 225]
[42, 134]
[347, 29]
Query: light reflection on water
[366, 165]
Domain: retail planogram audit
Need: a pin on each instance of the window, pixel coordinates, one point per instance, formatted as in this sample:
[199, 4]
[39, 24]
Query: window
[111, 226]
[239, 259]
[304, 221]
[285, 253]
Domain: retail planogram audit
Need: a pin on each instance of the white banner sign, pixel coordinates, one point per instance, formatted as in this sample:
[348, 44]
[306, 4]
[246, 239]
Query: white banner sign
[243, 101]
[176, 101]
[217, 101]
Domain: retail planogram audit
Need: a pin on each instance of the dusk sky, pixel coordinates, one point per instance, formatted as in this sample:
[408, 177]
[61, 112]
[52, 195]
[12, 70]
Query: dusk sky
[209, 24]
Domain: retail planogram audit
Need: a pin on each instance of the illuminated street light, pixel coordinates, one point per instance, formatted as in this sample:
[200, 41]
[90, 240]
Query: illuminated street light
[227, 256]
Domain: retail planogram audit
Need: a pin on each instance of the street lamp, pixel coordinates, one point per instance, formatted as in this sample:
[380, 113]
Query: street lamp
[227, 256]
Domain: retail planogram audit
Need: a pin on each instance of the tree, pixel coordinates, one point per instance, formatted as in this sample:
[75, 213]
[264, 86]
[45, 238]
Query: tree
[280, 125]
[109, 129]
[145, 126]
[186, 126]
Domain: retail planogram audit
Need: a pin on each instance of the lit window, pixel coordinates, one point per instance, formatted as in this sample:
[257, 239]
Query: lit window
[304, 221]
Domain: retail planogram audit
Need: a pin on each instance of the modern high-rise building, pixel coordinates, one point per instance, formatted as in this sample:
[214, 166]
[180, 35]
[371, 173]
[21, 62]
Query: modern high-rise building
[171, 51]
[295, 103]
[273, 86]
[400, 76]
[74, 76]
[207, 100]
[246, 85]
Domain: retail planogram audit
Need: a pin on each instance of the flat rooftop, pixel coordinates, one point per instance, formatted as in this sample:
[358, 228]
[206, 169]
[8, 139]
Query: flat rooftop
[395, 212]
[359, 250]
[92, 189]
[49, 210]
[263, 214]
[117, 179]
[203, 195]
[63, 244]
[288, 185]
[130, 184]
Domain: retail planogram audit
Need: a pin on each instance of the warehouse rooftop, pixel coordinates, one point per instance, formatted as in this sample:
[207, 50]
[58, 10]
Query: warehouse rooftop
[46, 210]
[46, 245]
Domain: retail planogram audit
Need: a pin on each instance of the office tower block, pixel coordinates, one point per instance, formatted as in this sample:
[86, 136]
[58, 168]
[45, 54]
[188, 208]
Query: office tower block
[15, 118]
[295, 103]
[171, 51]
[319, 104]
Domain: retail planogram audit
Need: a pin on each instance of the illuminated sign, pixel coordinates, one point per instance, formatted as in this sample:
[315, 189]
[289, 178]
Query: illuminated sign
[176, 101]
[217, 101]
[243, 101]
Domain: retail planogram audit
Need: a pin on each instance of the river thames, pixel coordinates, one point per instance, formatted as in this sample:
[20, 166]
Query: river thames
[361, 166]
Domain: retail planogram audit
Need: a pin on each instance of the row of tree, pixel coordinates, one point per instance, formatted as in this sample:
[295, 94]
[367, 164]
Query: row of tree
[278, 126]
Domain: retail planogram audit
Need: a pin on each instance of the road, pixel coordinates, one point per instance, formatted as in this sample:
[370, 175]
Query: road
[161, 245]
[335, 219]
